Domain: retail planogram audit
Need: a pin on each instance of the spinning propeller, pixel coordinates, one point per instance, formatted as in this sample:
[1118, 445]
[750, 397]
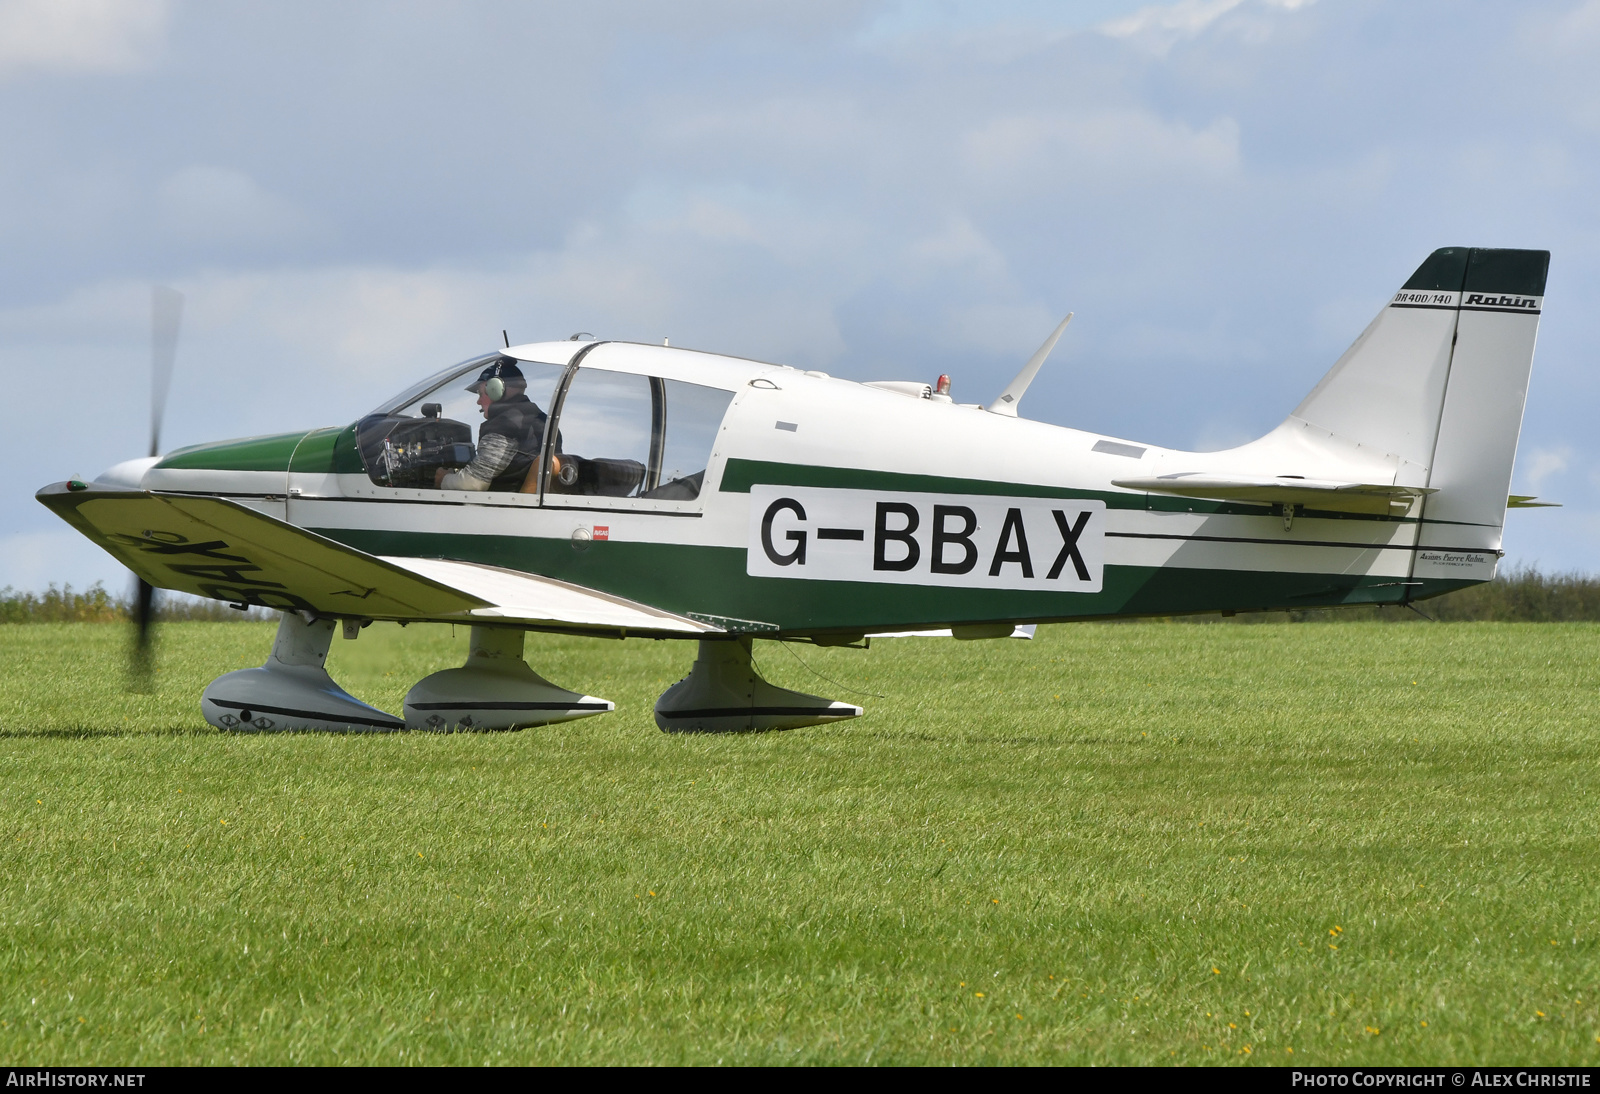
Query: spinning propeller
[166, 313]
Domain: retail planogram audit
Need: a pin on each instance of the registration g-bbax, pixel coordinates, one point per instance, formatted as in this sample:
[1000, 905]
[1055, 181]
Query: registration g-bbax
[956, 540]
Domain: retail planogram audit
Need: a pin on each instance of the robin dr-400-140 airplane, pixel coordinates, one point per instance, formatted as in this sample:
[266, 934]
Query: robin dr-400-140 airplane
[625, 490]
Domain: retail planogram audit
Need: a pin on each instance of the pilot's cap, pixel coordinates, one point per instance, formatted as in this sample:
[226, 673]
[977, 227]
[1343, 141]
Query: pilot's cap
[505, 370]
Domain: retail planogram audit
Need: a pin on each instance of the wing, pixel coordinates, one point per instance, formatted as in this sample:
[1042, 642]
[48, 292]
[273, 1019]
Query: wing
[216, 548]
[1327, 494]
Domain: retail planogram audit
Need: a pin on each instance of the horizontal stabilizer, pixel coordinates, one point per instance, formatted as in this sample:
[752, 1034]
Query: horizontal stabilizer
[1326, 494]
[1529, 501]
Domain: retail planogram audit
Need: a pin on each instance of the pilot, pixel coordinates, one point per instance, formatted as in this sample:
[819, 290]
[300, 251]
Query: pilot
[510, 437]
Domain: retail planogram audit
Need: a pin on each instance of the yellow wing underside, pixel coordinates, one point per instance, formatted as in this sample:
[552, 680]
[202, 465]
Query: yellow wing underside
[216, 548]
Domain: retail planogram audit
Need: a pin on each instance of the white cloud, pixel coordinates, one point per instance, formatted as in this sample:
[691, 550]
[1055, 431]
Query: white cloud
[983, 324]
[1339, 320]
[1539, 463]
[1158, 28]
[266, 349]
[1576, 30]
[958, 245]
[90, 316]
[729, 216]
[787, 128]
[79, 35]
[1185, 18]
[1220, 434]
[1561, 47]
[1108, 147]
[210, 205]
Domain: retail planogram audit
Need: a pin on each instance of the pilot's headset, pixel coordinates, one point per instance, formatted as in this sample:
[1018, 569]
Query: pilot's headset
[493, 379]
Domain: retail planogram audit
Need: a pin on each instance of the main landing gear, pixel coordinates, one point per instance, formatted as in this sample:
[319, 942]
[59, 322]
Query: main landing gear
[495, 689]
[723, 694]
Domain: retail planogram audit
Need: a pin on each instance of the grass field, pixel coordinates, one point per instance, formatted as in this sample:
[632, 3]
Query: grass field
[1115, 844]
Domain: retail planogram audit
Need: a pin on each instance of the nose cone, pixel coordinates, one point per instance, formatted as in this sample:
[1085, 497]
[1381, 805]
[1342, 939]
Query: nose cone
[128, 472]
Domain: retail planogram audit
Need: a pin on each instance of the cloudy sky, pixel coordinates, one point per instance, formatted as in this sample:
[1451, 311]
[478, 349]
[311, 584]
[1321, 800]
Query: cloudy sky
[351, 195]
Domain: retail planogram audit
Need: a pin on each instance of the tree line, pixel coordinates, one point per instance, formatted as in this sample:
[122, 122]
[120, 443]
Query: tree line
[96, 605]
[1521, 595]
[1516, 596]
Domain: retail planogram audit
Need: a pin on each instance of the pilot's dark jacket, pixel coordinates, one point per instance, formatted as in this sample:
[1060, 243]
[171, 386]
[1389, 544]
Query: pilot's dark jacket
[520, 422]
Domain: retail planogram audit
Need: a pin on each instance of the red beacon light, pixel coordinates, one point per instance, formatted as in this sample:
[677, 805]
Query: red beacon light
[942, 386]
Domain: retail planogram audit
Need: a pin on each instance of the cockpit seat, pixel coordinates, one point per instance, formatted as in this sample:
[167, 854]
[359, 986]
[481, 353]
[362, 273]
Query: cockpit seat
[597, 478]
[608, 478]
[684, 489]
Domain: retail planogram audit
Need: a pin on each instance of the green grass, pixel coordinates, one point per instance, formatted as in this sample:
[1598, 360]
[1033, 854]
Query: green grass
[1115, 844]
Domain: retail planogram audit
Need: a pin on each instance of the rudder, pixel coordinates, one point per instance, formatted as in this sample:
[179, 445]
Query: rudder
[1501, 298]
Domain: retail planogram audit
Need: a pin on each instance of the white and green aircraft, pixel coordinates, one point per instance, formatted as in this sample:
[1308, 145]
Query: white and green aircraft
[625, 490]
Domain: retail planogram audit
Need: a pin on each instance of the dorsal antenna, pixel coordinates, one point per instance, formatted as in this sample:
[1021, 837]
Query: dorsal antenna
[1009, 398]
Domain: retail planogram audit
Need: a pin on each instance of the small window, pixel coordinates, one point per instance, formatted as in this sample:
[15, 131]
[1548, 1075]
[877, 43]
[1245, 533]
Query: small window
[693, 416]
[464, 433]
[628, 436]
[605, 436]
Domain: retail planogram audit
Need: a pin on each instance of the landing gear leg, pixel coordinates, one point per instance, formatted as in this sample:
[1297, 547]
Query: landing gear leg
[723, 694]
[292, 690]
[495, 689]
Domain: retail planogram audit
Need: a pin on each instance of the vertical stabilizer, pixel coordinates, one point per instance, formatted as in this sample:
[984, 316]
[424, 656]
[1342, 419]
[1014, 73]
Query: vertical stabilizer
[1386, 392]
[1432, 393]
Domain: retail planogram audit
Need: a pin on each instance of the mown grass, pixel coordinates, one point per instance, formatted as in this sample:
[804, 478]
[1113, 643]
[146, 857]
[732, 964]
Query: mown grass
[1114, 844]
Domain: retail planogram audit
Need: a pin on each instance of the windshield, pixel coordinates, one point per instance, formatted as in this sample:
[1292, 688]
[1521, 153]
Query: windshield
[438, 379]
[424, 437]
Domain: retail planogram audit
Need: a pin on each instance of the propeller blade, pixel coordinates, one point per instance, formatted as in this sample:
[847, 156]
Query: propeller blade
[166, 313]
[142, 664]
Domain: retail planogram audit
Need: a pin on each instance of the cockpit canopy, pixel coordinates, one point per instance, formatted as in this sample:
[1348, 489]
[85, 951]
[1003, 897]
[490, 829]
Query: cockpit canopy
[547, 429]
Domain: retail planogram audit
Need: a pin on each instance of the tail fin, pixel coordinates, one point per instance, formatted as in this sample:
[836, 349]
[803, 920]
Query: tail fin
[1436, 384]
[1386, 392]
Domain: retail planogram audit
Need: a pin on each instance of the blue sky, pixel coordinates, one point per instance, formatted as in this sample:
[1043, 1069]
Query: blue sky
[352, 195]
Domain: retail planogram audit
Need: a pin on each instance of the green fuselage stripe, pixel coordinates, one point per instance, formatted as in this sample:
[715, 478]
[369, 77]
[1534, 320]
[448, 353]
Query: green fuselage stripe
[712, 581]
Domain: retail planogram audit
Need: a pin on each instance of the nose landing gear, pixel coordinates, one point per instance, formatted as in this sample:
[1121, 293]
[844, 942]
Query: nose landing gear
[292, 690]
